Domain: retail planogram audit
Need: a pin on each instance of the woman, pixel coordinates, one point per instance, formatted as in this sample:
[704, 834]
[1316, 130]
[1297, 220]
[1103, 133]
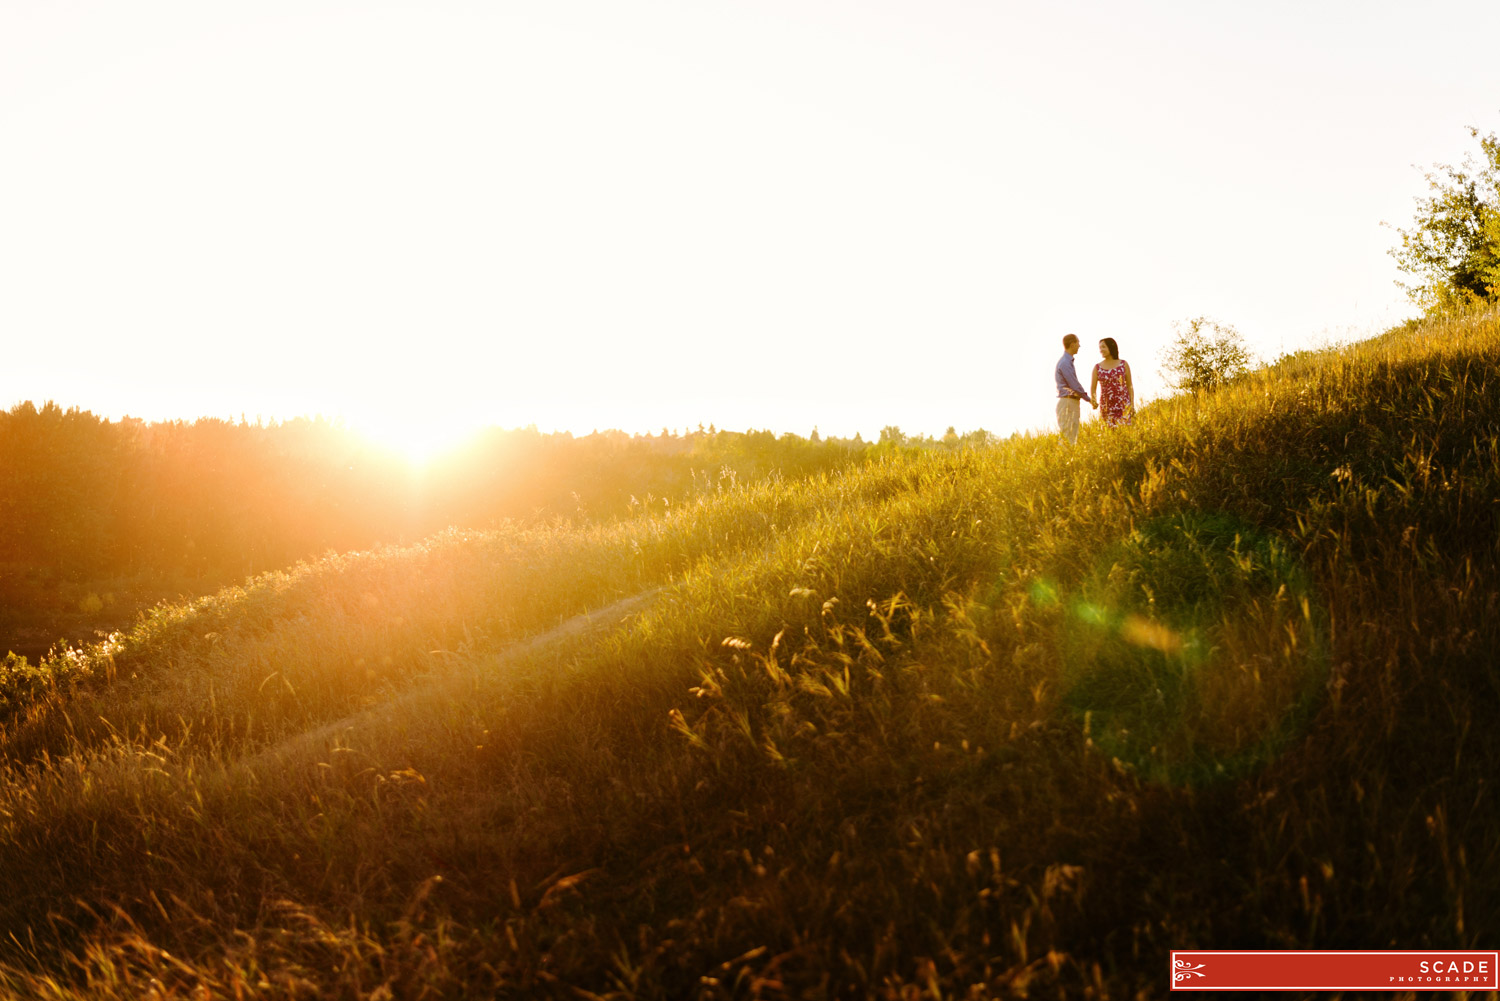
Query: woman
[1112, 387]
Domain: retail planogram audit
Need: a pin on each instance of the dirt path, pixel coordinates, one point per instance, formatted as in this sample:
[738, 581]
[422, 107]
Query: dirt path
[594, 620]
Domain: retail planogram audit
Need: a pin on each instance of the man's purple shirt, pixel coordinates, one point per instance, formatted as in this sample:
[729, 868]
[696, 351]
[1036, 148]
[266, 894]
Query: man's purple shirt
[1067, 379]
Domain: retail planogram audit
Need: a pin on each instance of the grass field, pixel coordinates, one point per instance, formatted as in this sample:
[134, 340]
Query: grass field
[973, 723]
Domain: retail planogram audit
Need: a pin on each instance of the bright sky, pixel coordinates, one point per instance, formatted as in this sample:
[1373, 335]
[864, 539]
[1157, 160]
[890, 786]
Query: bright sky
[424, 216]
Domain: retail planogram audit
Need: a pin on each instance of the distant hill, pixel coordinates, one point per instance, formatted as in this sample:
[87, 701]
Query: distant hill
[957, 723]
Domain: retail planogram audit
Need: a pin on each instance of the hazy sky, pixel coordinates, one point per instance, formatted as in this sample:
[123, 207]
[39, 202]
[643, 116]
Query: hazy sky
[649, 213]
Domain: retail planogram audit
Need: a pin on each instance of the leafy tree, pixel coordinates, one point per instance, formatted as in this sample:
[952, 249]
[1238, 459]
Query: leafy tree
[1491, 274]
[1452, 250]
[1203, 354]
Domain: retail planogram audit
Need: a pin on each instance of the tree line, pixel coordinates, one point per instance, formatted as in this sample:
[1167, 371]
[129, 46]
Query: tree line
[95, 497]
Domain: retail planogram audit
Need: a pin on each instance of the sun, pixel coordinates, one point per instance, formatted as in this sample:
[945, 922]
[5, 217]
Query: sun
[419, 441]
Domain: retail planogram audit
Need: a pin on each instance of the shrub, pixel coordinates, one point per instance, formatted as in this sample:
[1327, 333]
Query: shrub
[1204, 354]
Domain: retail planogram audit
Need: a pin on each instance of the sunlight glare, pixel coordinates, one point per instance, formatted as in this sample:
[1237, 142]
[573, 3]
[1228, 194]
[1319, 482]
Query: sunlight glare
[419, 440]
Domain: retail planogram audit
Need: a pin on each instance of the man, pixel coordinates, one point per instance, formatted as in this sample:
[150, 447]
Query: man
[1069, 391]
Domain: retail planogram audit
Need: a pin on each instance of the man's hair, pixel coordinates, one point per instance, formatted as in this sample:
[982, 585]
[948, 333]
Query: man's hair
[1069, 339]
[1114, 349]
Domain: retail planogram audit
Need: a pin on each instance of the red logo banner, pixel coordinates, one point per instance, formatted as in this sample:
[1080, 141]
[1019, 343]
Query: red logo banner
[1344, 970]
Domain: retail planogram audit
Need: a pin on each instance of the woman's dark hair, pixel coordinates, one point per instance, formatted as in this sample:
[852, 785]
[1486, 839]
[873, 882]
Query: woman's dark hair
[1114, 349]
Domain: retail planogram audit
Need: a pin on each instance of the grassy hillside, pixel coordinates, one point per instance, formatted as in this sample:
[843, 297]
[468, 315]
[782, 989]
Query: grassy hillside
[101, 519]
[1011, 720]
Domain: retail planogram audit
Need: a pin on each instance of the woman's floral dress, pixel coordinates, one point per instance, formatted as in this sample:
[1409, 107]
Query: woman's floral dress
[1114, 398]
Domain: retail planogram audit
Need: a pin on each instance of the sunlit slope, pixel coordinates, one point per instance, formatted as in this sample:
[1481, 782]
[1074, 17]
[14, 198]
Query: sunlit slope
[286, 650]
[1024, 717]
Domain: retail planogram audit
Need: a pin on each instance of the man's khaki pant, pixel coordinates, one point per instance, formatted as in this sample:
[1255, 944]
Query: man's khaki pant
[1067, 418]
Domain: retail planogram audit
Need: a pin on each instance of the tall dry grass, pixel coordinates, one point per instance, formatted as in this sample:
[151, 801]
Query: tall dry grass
[971, 724]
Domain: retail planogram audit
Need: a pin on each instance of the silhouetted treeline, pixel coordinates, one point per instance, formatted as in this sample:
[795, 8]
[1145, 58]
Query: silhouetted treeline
[94, 497]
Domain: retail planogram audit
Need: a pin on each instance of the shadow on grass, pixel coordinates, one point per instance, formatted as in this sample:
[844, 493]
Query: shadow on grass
[1193, 651]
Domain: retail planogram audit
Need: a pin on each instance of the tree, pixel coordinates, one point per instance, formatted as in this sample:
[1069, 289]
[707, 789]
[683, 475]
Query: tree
[1203, 354]
[1492, 234]
[1452, 250]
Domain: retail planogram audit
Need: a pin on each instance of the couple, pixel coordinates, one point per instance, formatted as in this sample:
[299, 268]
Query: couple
[1116, 393]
